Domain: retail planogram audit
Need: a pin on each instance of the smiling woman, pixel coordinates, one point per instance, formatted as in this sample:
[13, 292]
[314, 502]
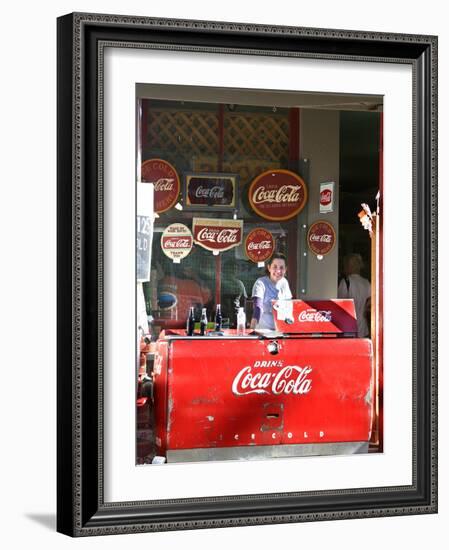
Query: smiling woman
[273, 286]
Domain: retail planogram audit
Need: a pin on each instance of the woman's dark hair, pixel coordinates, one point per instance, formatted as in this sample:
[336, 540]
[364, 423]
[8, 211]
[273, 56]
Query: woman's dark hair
[275, 256]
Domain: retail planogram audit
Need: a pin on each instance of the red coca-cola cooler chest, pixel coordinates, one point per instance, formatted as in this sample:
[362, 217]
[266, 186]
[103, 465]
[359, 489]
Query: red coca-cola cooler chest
[304, 389]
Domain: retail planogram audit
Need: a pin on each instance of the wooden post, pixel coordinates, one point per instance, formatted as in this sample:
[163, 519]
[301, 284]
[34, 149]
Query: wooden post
[374, 329]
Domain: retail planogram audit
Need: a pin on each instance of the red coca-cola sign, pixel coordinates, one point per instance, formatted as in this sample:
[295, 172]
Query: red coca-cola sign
[217, 235]
[334, 316]
[170, 243]
[278, 195]
[166, 183]
[325, 197]
[321, 237]
[259, 245]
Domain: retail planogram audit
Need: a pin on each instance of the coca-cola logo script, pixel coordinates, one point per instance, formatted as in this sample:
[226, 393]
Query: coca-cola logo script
[321, 238]
[278, 195]
[259, 245]
[272, 377]
[165, 180]
[217, 191]
[217, 235]
[315, 316]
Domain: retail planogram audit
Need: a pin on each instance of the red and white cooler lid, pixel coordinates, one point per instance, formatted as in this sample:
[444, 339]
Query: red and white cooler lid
[315, 316]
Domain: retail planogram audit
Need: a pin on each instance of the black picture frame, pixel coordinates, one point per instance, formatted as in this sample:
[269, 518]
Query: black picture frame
[81, 510]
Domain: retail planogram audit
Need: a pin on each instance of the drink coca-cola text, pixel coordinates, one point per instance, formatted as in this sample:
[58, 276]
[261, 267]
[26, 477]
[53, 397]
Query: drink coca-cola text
[289, 379]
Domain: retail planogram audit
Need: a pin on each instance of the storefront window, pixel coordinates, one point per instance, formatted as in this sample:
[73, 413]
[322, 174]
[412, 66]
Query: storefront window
[203, 141]
[228, 180]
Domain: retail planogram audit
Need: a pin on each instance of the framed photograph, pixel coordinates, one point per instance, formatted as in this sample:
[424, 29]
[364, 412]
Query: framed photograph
[274, 358]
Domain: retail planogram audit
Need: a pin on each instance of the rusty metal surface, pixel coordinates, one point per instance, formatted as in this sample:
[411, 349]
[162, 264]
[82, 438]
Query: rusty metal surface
[267, 451]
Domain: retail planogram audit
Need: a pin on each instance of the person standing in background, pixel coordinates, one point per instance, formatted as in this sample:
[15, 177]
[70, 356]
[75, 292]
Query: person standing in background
[354, 286]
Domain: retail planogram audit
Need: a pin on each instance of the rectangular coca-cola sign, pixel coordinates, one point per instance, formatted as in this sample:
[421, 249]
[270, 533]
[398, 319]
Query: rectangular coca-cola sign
[205, 191]
[336, 316]
[217, 235]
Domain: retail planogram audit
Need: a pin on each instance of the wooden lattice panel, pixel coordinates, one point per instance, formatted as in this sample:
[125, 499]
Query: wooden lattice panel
[256, 136]
[253, 142]
[183, 133]
[247, 168]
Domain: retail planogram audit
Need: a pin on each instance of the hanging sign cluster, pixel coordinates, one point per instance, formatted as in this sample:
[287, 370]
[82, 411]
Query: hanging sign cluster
[277, 195]
[165, 180]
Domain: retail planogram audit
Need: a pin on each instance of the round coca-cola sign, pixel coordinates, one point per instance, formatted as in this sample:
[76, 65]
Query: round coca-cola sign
[165, 180]
[177, 241]
[259, 245]
[277, 195]
[321, 237]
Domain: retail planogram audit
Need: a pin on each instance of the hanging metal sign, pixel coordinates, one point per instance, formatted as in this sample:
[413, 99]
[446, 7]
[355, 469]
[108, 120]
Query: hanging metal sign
[217, 235]
[211, 191]
[277, 195]
[321, 237]
[166, 183]
[327, 197]
[259, 245]
[177, 241]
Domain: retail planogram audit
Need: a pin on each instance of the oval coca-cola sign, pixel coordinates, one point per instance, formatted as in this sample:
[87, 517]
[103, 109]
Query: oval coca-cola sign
[321, 238]
[176, 241]
[166, 183]
[277, 195]
[259, 245]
